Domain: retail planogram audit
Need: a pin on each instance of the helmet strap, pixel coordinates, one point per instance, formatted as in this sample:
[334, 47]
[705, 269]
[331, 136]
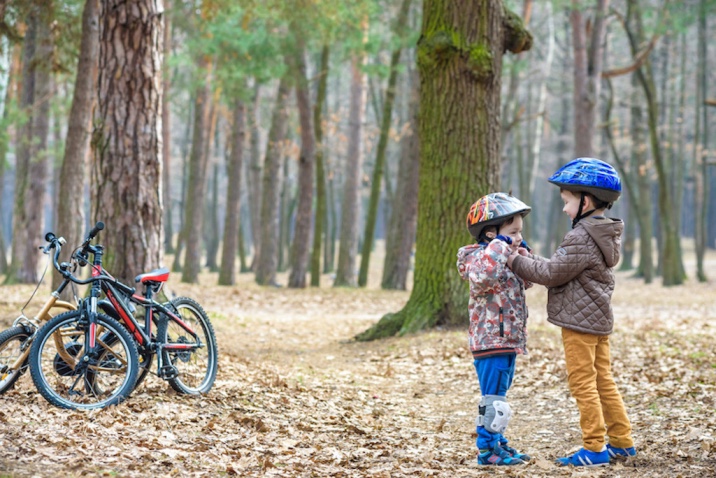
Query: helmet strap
[581, 215]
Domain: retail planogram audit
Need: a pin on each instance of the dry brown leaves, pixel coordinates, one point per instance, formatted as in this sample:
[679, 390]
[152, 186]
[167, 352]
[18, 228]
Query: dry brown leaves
[296, 397]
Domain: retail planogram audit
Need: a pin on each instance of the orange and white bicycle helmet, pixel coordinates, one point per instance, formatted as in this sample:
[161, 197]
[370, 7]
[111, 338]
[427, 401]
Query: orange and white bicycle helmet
[494, 209]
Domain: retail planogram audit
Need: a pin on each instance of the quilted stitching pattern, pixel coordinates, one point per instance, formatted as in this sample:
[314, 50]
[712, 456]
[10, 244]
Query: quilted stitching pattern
[580, 282]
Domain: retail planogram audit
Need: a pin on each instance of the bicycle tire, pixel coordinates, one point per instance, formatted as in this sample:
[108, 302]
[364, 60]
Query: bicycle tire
[196, 368]
[56, 376]
[12, 343]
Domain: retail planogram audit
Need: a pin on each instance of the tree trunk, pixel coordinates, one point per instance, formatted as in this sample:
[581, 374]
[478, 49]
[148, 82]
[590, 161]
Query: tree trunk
[254, 175]
[386, 119]
[350, 207]
[320, 223]
[403, 219]
[227, 275]
[70, 190]
[267, 260]
[212, 221]
[302, 229]
[670, 251]
[127, 142]
[701, 189]
[37, 176]
[196, 181]
[6, 75]
[460, 63]
[588, 58]
[166, 141]
[22, 156]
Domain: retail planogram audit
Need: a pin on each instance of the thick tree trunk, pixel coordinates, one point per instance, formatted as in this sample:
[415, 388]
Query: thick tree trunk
[302, 229]
[127, 143]
[460, 63]
[166, 142]
[22, 156]
[196, 184]
[588, 59]
[403, 219]
[350, 207]
[70, 190]
[386, 119]
[319, 223]
[267, 260]
[232, 220]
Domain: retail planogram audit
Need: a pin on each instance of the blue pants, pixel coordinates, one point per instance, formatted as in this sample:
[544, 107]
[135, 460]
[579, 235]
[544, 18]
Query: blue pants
[495, 375]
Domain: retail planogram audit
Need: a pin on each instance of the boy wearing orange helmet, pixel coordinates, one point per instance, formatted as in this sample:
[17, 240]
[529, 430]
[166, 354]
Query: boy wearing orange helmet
[498, 317]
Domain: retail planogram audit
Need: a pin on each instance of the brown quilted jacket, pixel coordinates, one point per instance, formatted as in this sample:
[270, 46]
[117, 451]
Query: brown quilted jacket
[579, 275]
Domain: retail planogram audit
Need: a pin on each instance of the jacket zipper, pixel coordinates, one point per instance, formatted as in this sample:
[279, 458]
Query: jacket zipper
[502, 324]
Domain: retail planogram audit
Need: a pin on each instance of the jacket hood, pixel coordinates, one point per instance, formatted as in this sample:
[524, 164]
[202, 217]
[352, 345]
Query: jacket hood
[607, 233]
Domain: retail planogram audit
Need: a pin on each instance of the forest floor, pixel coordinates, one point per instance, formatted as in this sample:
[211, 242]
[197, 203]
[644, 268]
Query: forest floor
[297, 397]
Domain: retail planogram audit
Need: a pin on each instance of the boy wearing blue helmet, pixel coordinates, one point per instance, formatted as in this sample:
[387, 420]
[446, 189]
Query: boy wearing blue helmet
[580, 280]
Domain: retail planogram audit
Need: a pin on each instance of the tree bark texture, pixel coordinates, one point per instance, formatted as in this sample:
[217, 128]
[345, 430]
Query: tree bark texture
[350, 207]
[6, 75]
[70, 190]
[319, 222]
[232, 220]
[196, 183]
[386, 120]
[460, 64]
[403, 219]
[267, 261]
[127, 142]
[701, 180]
[588, 60]
[302, 229]
[22, 157]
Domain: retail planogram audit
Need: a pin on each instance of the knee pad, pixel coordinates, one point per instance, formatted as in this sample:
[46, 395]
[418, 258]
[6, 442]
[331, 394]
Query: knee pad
[495, 413]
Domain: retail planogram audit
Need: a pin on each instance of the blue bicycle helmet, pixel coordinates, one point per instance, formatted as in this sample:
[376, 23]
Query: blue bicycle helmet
[589, 175]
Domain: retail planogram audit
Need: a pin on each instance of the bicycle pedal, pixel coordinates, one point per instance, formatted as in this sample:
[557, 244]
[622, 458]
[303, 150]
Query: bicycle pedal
[168, 372]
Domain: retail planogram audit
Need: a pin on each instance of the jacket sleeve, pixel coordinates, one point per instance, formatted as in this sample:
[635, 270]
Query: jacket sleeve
[568, 262]
[483, 266]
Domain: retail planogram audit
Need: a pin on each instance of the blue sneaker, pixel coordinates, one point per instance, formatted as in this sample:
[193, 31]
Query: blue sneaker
[497, 456]
[615, 452]
[515, 454]
[586, 458]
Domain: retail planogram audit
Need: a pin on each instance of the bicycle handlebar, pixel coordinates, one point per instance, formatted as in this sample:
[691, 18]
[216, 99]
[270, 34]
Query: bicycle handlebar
[56, 243]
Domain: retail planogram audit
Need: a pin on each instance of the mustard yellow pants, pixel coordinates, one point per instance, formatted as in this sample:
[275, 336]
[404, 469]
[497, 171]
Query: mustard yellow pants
[591, 383]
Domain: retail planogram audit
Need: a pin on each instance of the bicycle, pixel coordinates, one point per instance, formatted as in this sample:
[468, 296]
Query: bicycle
[15, 342]
[184, 341]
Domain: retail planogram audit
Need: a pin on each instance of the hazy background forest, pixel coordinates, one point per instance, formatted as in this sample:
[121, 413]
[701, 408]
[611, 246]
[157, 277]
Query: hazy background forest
[234, 135]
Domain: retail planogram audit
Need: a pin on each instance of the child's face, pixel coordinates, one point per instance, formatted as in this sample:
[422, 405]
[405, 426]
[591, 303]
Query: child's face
[571, 203]
[513, 231]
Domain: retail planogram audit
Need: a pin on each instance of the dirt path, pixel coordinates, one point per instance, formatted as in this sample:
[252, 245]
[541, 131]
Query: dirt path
[296, 397]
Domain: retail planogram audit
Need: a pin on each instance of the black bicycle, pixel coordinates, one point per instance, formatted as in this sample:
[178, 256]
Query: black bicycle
[95, 366]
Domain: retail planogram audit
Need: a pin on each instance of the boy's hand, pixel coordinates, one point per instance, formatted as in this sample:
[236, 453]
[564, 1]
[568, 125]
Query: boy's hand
[511, 258]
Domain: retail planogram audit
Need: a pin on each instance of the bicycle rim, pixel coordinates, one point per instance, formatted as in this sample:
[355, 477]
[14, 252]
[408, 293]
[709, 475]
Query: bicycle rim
[196, 367]
[70, 377]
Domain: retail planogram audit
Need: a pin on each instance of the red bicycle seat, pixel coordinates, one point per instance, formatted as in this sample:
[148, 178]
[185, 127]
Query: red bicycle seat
[157, 275]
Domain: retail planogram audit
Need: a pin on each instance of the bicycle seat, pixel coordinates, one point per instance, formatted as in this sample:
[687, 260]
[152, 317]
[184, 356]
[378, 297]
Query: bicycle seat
[157, 275]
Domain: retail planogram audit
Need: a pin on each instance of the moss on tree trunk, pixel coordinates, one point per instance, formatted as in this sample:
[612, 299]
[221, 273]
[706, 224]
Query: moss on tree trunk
[460, 64]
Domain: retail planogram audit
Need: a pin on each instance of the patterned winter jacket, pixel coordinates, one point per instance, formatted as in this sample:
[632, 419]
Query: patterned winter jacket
[498, 313]
[579, 276]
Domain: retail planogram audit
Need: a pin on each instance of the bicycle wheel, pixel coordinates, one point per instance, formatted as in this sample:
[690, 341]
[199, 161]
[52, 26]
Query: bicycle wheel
[196, 366]
[70, 374]
[13, 344]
